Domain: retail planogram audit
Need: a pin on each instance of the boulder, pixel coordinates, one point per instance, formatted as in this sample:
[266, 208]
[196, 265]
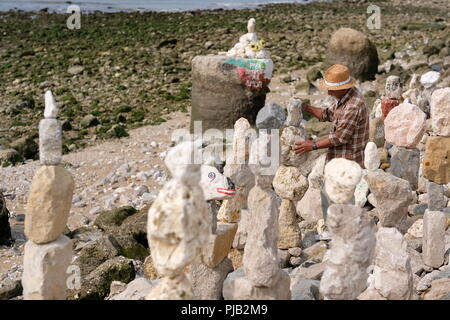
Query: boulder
[354, 50]
[113, 218]
[26, 147]
[9, 156]
[5, 229]
[272, 116]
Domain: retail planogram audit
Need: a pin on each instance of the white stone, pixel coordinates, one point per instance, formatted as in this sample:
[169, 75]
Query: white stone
[50, 142]
[51, 110]
[361, 192]
[183, 162]
[316, 177]
[394, 87]
[433, 248]
[393, 277]
[137, 289]
[264, 159]
[45, 269]
[309, 207]
[215, 185]
[289, 183]
[430, 79]
[371, 157]
[440, 112]
[353, 241]
[341, 178]
[294, 110]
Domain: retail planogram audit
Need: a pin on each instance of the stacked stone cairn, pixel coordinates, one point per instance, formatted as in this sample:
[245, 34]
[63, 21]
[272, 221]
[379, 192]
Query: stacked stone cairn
[261, 277]
[48, 253]
[179, 224]
[352, 234]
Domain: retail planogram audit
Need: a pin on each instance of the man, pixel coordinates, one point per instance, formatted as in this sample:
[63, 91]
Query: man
[349, 116]
[350, 119]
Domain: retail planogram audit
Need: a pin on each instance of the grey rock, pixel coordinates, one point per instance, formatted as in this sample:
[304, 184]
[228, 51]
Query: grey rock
[207, 283]
[437, 201]
[420, 209]
[405, 164]
[272, 116]
[304, 289]
[50, 142]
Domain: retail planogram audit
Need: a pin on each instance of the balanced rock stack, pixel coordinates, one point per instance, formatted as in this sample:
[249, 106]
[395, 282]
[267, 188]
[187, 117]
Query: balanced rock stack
[291, 186]
[261, 278]
[372, 163]
[178, 224]
[232, 85]
[352, 232]
[48, 253]
[436, 168]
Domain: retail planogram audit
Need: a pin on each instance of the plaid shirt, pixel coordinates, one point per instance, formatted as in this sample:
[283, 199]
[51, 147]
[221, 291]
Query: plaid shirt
[350, 134]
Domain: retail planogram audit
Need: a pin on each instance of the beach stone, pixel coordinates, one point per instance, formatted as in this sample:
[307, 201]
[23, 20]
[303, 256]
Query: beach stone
[430, 78]
[237, 287]
[436, 162]
[309, 207]
[260, 254]
[304, 289]
[272, 116]
[175, 288]
[289, 183]
[393, 196]
[393, 278]
[354, 50]
[137, 289]
[45, 269]
[48, 204]
[50, 142]
[289, 233]
[218, 96]
[341, 178]
[294, 113]
[405, 164]
[353, 242]
[207, 283]
[437, 200]
[405, 125]
[51, 110]
[371, 157]
[361, 192]
[440, 112]
[433, 247]
[219, 244]
[376, 131]
[316, 178]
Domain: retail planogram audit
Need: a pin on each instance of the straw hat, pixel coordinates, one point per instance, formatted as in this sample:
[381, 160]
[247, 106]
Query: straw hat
[337, 77]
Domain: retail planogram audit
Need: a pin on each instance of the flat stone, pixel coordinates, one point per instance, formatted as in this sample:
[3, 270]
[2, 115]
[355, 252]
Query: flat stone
[272, 116]
[219, 244]
[405, 164]
[436, 163]
[341, 178]
[207, 283]
[48, 204]
[50, 142]
[290, 235]
[137, 289]
[433, 248]
[290, 184]
[309, 207]
[45, 269]
[405, 125]
[440, 112]
[393, 196]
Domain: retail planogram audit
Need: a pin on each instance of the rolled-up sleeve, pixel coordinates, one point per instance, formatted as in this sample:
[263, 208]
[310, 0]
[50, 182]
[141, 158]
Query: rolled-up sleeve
[326, 115]
[345, 126]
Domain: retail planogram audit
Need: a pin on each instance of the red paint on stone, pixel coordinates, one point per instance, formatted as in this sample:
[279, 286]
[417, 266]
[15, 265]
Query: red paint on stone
[387, 105]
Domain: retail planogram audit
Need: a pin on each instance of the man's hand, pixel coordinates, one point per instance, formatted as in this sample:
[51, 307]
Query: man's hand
[302, 147]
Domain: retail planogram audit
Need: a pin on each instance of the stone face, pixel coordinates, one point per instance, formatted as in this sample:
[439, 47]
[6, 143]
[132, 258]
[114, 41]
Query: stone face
[393, 277]
[433, 247]
[436, 163]
[354, 50]
[437, 201]
[261, 255]
[207, 283]
[341, 178]
[218, 96]
[50, 142]
[178, 227]
[376, 131]
[215, 185]
[405, 125]
[272, 116]
[45, 269]
[219, 244]
[48, 204]
[51, 110]
[289, 233]
[371, 157]
[393, 196]
[290, 184]
[353, 242]
[238, 287]
[294, 110]
[440, 112]
[405, 164]
[309, 208]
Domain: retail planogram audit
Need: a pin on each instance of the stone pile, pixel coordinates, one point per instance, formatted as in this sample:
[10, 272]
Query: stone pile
[352, 234]
[178, 224]
[249, 46]
[261, 277]
[48, 253]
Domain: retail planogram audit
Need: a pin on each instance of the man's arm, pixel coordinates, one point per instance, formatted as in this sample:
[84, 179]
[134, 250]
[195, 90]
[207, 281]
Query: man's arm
[316, 112]
[306, 146]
